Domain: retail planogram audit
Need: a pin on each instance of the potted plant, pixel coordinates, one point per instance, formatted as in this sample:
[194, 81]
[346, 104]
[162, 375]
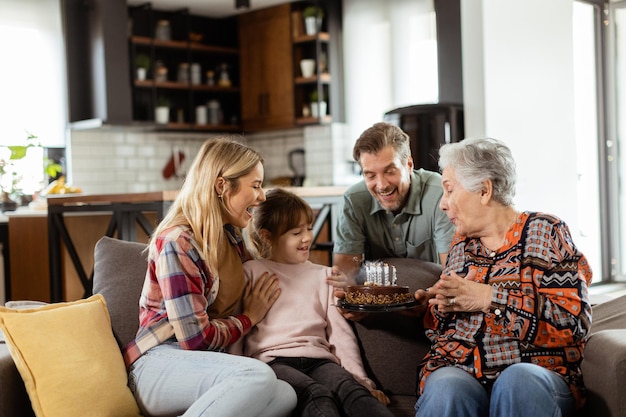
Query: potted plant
[318, 107]
[142, 62]
[313, 16]
[162, 110]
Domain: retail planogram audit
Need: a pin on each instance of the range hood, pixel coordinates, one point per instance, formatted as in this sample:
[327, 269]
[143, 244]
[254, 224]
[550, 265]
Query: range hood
[95, 35]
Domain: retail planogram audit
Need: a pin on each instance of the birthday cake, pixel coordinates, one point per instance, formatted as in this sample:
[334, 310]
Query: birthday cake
[380, 287]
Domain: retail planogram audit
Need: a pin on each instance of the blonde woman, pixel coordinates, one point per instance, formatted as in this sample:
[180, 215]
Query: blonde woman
[194, 282]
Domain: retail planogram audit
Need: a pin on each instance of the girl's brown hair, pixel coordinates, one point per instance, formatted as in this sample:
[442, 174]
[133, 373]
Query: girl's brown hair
[280, 212]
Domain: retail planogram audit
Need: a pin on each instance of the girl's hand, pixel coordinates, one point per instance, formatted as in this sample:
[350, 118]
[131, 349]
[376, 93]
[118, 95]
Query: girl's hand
[380, 396]
[338, 279]
[258, 298]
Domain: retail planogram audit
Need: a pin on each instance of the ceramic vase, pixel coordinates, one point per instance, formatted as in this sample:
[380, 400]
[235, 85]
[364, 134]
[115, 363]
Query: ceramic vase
[318, 111]
[312, 24]
[162, 115]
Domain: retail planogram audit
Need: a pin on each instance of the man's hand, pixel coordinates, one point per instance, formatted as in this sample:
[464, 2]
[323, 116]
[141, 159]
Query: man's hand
[340, 294]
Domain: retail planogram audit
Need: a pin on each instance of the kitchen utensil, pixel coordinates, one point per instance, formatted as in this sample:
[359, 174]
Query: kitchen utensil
[297, 165]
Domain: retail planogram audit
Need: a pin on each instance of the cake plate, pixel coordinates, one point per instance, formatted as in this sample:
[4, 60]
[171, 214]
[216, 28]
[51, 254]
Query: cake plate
[371, 308]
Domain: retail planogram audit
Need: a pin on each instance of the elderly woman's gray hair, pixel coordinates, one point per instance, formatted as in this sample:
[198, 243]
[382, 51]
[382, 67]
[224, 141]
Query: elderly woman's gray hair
[476, 160]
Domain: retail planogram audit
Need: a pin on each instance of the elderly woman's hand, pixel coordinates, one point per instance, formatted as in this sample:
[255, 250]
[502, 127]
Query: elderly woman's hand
[456, 293]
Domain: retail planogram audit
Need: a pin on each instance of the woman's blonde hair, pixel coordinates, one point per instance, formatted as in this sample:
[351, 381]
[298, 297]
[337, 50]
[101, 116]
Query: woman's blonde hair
[198, 204]
[280, 212]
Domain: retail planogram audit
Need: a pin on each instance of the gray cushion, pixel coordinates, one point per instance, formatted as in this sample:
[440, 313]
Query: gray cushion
[604, 372]
[394, 344]
[119, 271]
[609, 315]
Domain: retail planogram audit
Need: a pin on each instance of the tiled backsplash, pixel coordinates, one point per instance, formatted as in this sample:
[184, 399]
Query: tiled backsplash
[130, 161]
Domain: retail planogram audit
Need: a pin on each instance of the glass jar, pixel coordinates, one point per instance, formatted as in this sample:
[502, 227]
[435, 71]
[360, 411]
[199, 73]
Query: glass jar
[183, 73]
[213, 107]
[224, 80]
[163, 31]
[160, 73]
[196, 73]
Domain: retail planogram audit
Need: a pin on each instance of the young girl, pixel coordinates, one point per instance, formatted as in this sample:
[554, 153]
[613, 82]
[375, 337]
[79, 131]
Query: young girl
[303, 336]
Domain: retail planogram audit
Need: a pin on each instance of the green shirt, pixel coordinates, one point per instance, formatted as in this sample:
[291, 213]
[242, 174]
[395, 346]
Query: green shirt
[421, 230]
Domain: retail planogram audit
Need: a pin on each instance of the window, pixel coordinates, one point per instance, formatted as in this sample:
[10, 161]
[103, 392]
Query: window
[586, 25]
[32, 80]
[616, 137]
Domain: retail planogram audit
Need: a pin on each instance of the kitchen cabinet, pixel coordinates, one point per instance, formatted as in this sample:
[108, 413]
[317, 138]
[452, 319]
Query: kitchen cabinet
[28, 239]
[267, 92]
[193, 66]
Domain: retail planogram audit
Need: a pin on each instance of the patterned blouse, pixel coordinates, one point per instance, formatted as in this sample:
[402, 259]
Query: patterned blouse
[540, 311]
[178, 290]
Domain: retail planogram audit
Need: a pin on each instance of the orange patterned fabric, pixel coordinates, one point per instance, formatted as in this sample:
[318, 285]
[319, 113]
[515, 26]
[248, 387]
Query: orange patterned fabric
[540, 282]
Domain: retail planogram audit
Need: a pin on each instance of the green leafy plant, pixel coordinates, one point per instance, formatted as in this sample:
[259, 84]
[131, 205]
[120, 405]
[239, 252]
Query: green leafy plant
[142, 61]
[10, 173]
[313, 95]
[52, 168]
[18, 152]
[163, 101]
[313, 11]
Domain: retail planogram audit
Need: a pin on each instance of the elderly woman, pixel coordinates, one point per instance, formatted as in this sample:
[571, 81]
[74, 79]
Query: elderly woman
[509, 317]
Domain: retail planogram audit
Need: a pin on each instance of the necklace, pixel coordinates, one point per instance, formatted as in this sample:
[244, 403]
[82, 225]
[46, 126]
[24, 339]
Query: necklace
[503, 240]
[491, 252]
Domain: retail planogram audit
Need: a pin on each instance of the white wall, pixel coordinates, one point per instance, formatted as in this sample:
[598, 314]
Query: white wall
[519, 87]
[390, 58]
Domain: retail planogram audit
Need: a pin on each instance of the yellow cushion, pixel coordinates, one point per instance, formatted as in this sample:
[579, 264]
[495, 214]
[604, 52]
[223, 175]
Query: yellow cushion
[69, 360]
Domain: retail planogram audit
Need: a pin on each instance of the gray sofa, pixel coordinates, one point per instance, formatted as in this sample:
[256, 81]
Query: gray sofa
[392, 344]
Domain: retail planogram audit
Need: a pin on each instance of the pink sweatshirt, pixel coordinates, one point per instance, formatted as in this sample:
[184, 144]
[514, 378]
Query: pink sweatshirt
[303, 322]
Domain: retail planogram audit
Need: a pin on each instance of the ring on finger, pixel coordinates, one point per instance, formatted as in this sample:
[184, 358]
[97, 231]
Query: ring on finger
[452, 301]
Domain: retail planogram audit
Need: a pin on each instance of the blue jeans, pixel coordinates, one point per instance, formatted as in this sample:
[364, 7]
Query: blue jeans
[168, 381]
[522, 389]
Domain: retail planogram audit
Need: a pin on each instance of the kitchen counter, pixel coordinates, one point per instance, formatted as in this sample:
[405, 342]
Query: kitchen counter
[329, 191]
[168, 195]
[104, 199]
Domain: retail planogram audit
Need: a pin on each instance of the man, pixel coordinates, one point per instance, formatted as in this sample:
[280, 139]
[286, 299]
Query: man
[394, 211]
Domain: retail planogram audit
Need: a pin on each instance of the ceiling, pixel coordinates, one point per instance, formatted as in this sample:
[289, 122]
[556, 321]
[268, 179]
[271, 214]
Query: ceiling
[211, 8]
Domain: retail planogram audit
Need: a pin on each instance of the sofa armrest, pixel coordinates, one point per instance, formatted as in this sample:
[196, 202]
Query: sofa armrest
[604, 373]
[13, 397]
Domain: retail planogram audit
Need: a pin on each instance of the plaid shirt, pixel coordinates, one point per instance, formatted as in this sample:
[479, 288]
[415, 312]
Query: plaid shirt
[177, 291]
[540, 311]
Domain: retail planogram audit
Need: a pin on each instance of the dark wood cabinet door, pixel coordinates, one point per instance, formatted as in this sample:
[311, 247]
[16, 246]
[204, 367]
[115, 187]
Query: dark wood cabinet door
[266, 70]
